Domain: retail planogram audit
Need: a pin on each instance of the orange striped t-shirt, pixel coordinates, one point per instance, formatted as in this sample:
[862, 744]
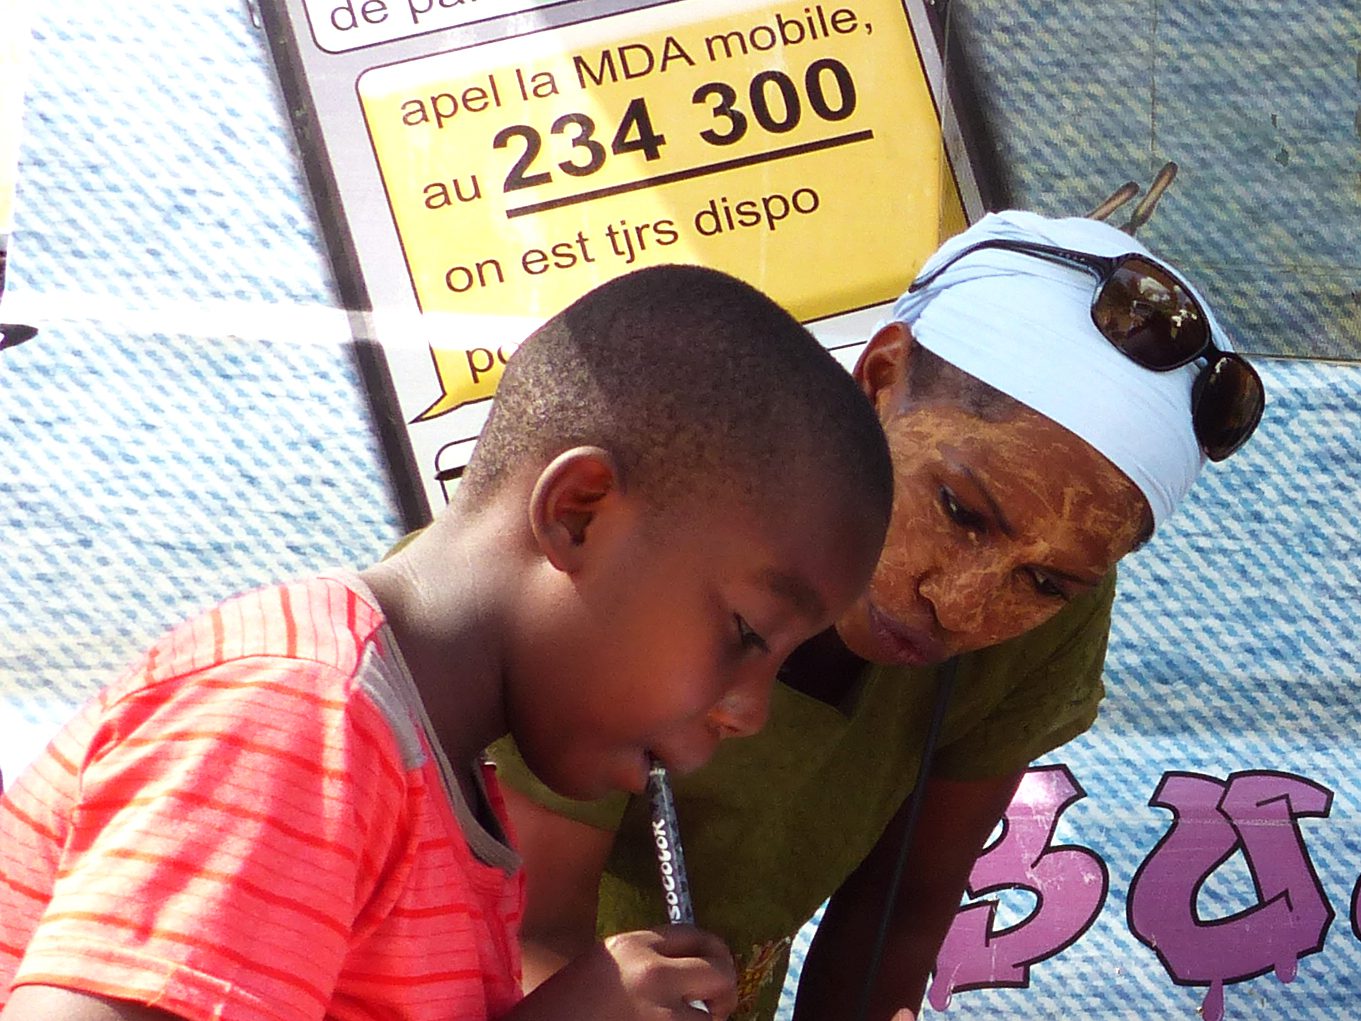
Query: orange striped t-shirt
[251, 824]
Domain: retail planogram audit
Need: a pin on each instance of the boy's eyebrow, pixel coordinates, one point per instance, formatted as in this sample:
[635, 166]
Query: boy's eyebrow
[797, 590]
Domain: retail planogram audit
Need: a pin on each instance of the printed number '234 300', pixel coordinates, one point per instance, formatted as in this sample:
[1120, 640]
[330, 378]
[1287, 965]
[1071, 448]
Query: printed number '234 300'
[774, 99]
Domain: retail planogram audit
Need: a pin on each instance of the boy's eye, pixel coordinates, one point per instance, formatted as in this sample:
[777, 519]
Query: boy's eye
[959, 514]
[747, 638]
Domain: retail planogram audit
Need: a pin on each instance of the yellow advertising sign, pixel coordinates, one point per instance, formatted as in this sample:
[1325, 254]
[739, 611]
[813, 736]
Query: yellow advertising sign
[795, 145]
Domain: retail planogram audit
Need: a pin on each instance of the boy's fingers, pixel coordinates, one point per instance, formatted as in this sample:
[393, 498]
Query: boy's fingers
[701, 966]
[683, 965]
[699, 979]
[689, 941]
[704, 969]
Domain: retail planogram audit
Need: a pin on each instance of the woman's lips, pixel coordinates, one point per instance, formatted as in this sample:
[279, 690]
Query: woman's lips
[903, 645]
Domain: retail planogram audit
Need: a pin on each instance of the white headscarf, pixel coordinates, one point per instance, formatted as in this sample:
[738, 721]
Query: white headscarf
[1023, 325]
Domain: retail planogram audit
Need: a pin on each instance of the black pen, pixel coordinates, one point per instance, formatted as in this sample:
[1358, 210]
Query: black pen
[670, 858]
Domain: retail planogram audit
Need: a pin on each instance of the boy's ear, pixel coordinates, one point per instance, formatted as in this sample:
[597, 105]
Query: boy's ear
[568, 496]
[883, 363]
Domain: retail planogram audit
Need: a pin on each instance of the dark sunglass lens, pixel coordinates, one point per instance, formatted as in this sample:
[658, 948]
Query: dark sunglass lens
[1227, 403]
[1147, 313]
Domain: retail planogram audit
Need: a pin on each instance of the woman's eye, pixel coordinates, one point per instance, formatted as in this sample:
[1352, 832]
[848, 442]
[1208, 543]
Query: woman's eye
[959, 514]
[1046, 586]
[747, 638]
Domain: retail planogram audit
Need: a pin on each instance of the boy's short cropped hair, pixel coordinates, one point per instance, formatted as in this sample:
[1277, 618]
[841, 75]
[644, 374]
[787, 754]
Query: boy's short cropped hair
[694, 381]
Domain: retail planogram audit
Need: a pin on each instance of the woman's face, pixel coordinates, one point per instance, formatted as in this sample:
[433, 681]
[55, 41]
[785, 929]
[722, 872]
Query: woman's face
[996, 525]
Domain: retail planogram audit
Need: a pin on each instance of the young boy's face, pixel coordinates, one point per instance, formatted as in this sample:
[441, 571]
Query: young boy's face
[669, 638]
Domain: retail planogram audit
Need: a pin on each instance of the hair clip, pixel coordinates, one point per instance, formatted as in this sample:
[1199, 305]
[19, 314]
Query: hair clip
[1118, 198]
[1144, 210]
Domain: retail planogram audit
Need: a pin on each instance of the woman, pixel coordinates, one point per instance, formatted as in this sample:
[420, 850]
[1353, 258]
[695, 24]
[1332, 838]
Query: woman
[1049, 393]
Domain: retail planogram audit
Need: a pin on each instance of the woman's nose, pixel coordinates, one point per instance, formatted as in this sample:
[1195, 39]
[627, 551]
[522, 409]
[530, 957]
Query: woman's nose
[962, 596]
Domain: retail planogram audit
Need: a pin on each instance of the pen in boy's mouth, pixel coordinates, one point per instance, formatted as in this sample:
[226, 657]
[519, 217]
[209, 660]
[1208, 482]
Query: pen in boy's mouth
[670, 858]
[666, 840]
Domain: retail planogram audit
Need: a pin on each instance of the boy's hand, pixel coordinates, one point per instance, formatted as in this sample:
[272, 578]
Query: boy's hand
[671, 967]
[650, 975]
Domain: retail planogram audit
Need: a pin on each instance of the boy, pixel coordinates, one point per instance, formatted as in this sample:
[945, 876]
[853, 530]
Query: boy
[1031, 453]
[281, 812]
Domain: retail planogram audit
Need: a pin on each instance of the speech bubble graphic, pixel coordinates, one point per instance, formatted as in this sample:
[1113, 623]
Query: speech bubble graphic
[468, 353]
[466, 375]
[522, 172]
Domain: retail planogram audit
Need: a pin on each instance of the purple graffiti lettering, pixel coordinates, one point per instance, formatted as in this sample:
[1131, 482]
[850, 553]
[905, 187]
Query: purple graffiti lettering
[1069, 884]
[1257, 813]
[1356, 909]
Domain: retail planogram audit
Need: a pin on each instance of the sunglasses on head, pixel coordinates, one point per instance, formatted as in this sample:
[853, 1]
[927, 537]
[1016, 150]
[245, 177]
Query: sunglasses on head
[1152, 317]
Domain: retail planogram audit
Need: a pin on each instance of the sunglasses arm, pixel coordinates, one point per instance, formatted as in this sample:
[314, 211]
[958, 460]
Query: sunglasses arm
[1101, 265]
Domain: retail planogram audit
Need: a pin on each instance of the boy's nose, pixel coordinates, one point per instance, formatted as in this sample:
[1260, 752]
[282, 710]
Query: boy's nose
[744, 709]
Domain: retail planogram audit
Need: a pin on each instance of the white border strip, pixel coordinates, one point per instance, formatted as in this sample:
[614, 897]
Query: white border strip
[217, 320]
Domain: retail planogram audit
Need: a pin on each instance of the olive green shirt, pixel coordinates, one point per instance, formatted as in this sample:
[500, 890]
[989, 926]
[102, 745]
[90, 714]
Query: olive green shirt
[776, 822]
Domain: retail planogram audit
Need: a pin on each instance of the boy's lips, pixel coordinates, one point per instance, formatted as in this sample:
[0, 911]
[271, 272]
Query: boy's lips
[903, 645]
[637, 775]
[679, 759]
[646, 758]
